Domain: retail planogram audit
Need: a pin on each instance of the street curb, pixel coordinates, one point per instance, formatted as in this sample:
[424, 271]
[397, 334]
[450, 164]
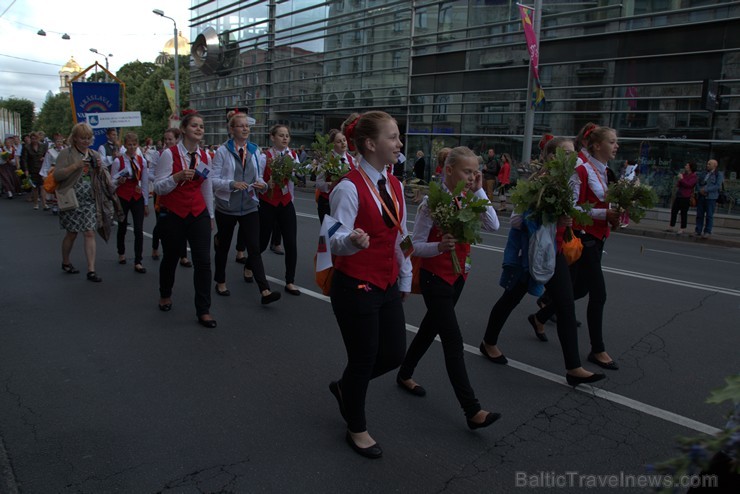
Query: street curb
[8, 484]
[722, 242]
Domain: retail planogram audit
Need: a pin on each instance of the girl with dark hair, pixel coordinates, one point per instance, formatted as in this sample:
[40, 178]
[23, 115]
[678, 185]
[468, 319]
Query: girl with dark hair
[186, 213]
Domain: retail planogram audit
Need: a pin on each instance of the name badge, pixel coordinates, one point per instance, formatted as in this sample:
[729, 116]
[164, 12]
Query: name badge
[468, 262]
[407, 247]
[284, 190]
[202, 169]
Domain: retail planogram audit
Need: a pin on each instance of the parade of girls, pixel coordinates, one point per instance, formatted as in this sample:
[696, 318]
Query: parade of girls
[200, 201]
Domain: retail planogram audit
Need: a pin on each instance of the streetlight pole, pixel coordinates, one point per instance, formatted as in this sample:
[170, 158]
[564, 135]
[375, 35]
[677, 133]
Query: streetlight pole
[177, 65]
[529, 113]
[106, 60]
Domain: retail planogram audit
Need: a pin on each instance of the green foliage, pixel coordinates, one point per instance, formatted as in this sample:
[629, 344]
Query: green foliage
[56, 115]
[697, 452]
[546, 196]
[25, 108]
[631, 197]
[282, 170]
[457, 214]
[325, 160]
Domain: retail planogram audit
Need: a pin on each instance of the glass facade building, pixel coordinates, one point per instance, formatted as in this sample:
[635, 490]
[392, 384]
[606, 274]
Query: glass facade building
[455, 72]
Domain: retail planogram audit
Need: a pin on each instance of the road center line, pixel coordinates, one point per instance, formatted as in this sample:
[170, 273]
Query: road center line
[691, 256]
[559, 379]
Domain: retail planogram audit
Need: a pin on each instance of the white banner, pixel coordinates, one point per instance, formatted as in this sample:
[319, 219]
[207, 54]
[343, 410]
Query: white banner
[114, 119]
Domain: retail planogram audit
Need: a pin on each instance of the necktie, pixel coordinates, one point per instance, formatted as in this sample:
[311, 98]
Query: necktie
[241, 157]
[388, 202]
[193, 158]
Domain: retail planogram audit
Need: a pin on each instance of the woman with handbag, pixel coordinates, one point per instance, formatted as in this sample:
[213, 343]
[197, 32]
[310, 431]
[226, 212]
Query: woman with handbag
[684, 190]
[83, 185]
[517, 282]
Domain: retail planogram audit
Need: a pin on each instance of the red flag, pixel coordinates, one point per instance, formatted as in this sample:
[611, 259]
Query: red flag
[534, 56]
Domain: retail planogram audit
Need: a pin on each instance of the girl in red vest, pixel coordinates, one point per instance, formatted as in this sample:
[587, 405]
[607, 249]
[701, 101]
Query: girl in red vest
[324, 187]
[131, 179]
[186, 213]
[441, 288]
[372, 270]
[276, 205]
[589, 185]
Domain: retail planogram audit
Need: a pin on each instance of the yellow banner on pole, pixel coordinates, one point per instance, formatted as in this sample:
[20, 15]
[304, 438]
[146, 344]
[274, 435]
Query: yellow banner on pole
[169, 89]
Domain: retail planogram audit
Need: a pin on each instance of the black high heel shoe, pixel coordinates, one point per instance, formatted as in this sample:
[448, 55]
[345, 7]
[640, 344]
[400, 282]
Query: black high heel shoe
[417, 390]
[490, 418]
[541, 336]
[373, 452]
[611, 365]
[576, 380]
[501, 359]
[207, 323]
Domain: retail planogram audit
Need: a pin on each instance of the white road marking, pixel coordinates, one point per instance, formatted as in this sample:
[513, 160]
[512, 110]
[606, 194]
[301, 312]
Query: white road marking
[559, 379]
[689, 255]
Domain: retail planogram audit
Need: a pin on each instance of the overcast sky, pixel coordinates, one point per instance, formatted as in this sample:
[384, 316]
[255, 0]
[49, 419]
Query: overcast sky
[29, 63]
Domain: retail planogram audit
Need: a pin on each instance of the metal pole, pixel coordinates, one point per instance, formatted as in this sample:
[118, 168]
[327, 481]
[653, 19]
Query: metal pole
[177, 75]
[529, 115]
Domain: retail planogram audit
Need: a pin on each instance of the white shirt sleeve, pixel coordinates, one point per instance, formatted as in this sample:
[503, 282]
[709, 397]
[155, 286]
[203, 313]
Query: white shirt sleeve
[344, 205]
[145, 181]
[221, 184]
[489, 219]
[405, 267]
[422, 226]
[163, 181]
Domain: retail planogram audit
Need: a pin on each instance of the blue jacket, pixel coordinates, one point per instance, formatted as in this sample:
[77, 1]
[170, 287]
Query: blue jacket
[712, 182]
[516, 260]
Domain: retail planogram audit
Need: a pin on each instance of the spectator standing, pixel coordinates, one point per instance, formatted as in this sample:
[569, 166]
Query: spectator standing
[503, 180]
[420, 166]
[684, 190]
[491, 170]
[706, 200]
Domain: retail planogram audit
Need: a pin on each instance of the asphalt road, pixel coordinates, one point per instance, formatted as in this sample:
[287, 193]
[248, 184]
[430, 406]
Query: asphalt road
[102, 392]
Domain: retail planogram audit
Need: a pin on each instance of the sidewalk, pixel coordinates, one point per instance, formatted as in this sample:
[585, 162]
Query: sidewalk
[725, 232]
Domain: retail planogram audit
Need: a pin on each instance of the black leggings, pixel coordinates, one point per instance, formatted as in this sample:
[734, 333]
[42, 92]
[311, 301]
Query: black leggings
[137, 214]
[560, 291]
[156, 236]
[197, 231]
[440, 299]
[588, 279]
[374, 334]
[249, 236]
[285, 218]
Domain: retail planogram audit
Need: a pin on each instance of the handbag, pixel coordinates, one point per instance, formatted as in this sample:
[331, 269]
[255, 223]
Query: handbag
[573, 248]
[50, 184]
[67, 199]
[722, 197]
[692, 200]
[542, 253]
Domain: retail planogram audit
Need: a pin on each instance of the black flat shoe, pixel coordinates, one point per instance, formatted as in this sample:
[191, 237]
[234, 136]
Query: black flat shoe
[69, 269]
[224, 293]
[207, 323]
[92, 276]
[611, 365]
[155, 257]
[541, 336]
[140, 269]
[490, 418]
[249, 278]
[575, 380]
[337, 392]
[165, 307]
[372, 452]
[122, 261]
[416, 390]
[501, 359]
[186, 263]
[241, 260]
[293, 291]
[272, 297]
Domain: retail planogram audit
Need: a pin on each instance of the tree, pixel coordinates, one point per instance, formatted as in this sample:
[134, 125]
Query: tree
[24, 107]
[56, 115]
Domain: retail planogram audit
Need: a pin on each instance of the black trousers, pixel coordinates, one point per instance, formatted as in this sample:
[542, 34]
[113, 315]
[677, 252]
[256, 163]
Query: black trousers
[197, 231]
[560, 293]
[323, 207]
[374, 334]
[285, 218]
[680, 204]
[249, 236]
[137, 215]
[440, 299]
[156, 237]
[588, 279]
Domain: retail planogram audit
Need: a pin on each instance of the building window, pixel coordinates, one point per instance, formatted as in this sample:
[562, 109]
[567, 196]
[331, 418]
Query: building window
[396, 60]
[421, 19]
[440, 108]
[349, 99]
[493, 115]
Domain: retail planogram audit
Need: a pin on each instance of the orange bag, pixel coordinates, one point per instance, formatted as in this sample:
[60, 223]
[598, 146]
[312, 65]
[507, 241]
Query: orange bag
[573, 248]
[50, 184]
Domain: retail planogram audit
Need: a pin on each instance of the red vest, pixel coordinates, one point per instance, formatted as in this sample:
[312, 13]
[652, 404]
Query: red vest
[352, 166]
[186, 198]
[377, 264]
[441, 265]
[275, 195]
[128, 189]
[599, 228]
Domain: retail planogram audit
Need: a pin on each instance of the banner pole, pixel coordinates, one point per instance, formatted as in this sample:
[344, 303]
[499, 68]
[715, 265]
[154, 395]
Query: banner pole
[529, 113]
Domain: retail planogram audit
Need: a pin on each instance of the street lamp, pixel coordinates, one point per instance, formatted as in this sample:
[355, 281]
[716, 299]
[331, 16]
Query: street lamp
[102, 55]
[177, 66]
